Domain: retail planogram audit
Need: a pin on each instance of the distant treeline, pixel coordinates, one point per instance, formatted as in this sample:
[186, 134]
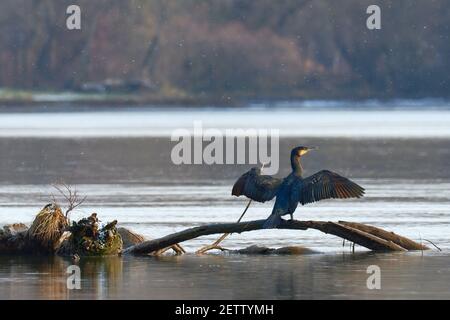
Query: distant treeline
[264, 48]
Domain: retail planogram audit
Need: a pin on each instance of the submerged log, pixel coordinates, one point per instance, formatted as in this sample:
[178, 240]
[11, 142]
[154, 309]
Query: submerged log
[291, 250]
[361, 237]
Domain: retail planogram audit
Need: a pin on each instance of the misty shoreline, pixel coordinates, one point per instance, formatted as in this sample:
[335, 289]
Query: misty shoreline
[18, 99]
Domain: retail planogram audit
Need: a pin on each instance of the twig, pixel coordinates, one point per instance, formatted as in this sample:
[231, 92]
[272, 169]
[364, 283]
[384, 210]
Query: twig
[433, 244]
[70, 195]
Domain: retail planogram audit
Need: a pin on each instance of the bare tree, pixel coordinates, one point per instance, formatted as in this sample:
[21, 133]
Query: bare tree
[71, 196]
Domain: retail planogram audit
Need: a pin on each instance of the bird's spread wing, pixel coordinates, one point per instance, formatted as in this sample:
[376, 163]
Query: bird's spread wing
[255, 186]
[325, 185]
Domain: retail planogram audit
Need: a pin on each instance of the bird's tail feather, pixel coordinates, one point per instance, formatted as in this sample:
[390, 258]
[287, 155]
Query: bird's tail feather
[272, 221]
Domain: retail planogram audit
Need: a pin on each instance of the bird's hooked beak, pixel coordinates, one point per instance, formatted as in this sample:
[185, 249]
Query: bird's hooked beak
[306, 150]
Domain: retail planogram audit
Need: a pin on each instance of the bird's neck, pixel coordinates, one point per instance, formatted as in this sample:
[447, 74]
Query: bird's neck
[296, 165]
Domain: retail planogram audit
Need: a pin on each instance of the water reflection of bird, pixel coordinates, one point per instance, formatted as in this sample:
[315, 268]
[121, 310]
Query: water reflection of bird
[294, 188]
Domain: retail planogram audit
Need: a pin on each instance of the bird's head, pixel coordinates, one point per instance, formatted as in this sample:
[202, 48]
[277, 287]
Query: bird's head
[300, 151]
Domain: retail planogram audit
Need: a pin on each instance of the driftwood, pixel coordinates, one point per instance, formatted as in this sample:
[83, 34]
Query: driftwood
[403, 242]
[85, 237]
[366, 236]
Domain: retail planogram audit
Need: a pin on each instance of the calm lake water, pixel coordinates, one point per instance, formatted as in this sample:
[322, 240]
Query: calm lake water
[121, 161]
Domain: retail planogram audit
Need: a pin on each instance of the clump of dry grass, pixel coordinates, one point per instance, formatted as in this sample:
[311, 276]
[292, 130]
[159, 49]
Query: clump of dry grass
[48, 226]
[51, 222]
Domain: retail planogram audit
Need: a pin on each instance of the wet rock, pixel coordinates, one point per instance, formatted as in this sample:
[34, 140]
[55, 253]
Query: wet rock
[13, 239]
[13, 229]
[129, 238]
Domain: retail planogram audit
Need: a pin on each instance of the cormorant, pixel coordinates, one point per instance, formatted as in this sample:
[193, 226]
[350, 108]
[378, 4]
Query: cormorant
[294, 188]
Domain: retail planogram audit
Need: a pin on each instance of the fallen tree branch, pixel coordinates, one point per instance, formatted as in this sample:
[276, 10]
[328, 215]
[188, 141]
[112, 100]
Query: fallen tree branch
[404, 242]
[356, 235]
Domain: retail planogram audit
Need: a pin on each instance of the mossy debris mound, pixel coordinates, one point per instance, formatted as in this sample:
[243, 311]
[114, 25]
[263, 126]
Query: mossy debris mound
[87, 239]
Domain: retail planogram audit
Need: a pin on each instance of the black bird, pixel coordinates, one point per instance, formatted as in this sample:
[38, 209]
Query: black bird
[294, 188]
